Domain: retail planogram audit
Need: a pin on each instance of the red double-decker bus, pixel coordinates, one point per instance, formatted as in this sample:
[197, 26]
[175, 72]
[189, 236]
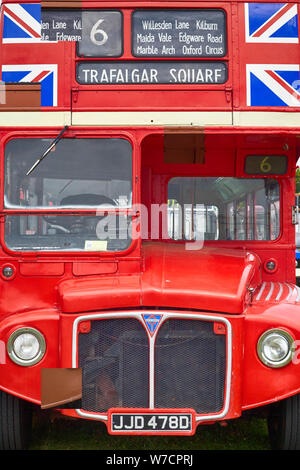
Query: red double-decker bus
[147, 259]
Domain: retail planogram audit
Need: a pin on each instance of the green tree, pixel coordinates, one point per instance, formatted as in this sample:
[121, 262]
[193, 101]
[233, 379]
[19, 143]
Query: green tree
[297, 180]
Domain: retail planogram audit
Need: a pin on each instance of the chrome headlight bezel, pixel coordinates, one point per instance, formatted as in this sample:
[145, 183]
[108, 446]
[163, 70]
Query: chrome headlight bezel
[11, 350]
[283, 334]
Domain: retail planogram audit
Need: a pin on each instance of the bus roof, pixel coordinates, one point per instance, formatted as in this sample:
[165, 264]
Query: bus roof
[142, 3]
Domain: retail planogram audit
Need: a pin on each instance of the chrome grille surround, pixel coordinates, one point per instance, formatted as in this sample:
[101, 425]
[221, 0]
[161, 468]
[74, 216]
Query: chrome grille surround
[138, 315]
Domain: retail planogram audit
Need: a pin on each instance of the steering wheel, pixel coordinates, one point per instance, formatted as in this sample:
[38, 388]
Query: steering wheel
[76, 223]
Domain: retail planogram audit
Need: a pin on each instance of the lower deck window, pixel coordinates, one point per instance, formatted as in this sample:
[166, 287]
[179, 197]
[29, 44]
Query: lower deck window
[223, 208]
[85, 178]
[67, 232]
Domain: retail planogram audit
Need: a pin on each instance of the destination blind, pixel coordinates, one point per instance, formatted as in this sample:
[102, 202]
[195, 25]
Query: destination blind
[179, 33]
[170, 34]
[162, 34]
[151, 73]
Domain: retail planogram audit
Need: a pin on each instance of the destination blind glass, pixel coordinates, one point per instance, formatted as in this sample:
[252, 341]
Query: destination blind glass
[179, 33]
[151, 73]
[174, 33]
[168, 33]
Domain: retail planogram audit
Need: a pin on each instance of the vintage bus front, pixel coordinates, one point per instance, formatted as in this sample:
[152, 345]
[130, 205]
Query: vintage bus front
[147, 252]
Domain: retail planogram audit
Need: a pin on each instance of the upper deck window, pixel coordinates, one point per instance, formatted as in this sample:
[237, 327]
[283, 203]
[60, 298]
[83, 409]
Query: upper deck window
[80, 174]
[223, 208]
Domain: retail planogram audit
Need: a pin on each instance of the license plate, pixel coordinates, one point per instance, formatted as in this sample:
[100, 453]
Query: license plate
[151, 423]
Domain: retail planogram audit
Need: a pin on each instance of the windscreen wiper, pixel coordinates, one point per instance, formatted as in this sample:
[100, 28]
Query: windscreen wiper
[47, 151]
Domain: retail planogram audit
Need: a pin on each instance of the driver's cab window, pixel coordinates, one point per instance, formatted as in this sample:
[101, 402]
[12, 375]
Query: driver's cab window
[80, 174]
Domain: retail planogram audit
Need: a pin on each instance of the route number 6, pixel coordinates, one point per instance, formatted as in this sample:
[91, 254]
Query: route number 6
[265, 165]
[96, 30]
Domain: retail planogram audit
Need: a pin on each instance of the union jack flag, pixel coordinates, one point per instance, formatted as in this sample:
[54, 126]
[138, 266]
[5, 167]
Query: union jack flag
[273, 84]
[46, 74]
[21, 23]
[271, 22]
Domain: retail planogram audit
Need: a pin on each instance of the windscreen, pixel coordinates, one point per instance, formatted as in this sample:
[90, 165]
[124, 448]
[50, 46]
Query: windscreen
[77, 174]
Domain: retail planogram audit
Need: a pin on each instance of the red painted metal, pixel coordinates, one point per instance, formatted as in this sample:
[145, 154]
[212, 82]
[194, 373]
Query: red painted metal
[49, 290]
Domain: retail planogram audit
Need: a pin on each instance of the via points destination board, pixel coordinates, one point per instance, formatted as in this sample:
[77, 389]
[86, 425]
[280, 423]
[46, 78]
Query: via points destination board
[176, 33]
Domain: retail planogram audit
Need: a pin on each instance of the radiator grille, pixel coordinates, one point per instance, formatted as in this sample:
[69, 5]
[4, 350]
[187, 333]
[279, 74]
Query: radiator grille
[114, 358]
[189, 365]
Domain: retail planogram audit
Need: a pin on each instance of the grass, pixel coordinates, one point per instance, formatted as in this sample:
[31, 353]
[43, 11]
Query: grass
[73, 434]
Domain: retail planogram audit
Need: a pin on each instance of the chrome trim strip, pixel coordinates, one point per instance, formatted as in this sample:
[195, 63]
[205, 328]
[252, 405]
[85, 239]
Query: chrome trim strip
[138, 316]
[151, 369]
[298, 294]
[270, 291]
[261, 291]
[290, 291]
[280, 291]
[294, 289]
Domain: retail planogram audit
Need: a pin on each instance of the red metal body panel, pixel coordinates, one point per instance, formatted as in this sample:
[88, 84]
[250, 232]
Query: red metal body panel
[227, 279]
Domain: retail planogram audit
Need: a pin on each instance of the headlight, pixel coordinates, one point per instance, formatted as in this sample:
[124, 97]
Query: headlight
[275, 348]
[26, 346]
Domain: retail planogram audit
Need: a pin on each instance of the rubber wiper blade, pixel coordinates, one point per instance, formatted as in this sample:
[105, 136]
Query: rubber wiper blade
[47, 151]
